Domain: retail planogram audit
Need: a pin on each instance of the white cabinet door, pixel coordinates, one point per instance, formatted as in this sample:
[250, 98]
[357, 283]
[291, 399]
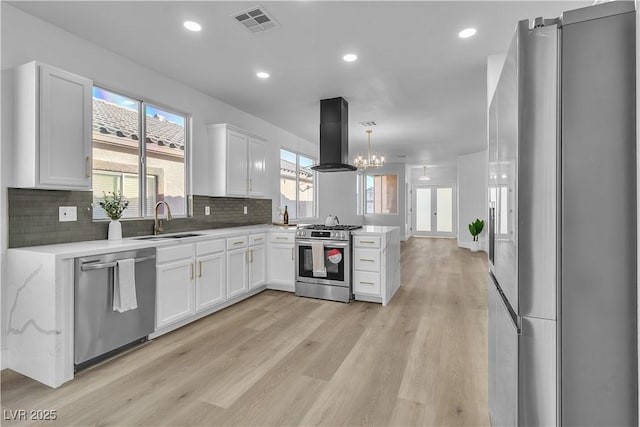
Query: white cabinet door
[257, 174]
[257, 266]
[237, 272]
[282, 268]
[211, 282]
[65, 129]
[237, 154]
[174, 292]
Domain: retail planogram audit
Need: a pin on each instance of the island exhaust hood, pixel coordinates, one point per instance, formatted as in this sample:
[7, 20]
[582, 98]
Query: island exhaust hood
[334, 136]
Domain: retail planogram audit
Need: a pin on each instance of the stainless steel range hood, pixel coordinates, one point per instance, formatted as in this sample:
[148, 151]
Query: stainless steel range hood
[334, 136]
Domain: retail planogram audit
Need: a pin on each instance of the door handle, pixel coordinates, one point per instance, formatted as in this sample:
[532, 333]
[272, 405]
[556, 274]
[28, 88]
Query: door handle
[199, 268]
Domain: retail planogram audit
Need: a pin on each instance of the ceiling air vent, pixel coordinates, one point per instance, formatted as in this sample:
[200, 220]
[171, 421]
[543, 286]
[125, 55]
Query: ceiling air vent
[368, 124]
[256, 19]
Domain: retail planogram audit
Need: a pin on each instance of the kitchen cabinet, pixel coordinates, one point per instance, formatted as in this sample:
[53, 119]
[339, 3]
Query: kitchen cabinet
[376, 263]
[257, 261]
[211, 281]
[237, 260]
[281, 259]
[238, 162]
[53, 109]
[174, 284]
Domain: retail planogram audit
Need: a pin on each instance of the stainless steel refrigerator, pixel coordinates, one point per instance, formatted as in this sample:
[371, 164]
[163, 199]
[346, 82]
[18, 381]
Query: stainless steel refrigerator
[562, 223]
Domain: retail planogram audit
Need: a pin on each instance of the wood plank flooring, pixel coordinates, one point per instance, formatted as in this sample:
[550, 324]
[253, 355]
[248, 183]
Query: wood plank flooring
[276, 359]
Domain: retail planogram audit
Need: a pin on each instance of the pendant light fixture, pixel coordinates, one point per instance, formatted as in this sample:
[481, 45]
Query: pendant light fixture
[371, 161]
[424, 176]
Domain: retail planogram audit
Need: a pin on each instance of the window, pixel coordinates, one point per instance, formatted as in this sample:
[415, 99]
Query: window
[297, 185]
[121, 156]
[381, 194]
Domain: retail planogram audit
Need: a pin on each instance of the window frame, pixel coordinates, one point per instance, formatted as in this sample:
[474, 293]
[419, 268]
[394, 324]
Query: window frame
[361, 187]
[143, 102]
[297, 174]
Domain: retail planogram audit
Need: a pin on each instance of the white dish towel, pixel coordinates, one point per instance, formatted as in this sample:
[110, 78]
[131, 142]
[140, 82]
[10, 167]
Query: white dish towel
[317, 253]
[124, 286]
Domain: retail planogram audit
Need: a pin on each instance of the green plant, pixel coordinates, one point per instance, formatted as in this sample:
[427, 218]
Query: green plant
[475, 228]
[113, 204]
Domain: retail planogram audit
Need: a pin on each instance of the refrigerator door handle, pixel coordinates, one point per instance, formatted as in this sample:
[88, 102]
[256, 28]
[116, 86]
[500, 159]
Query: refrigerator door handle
[515, 319]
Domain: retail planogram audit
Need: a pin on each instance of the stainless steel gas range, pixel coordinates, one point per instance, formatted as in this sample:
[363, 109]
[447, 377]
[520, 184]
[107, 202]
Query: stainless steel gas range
[323, 262]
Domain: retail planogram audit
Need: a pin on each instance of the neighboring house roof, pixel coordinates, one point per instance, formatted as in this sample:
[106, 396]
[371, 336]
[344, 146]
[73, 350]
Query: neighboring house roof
[289, 168]
[111, 119]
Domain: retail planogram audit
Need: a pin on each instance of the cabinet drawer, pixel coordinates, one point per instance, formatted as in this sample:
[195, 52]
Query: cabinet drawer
[257, 239]
[366, 260]
[210, 247]
[281, 237]
[174, 253]
[366, 283]
[237, 242]
[366, 241]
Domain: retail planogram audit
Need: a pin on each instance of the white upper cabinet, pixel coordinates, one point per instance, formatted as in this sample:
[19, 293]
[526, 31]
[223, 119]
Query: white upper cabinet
[52, 147]
[237, 164]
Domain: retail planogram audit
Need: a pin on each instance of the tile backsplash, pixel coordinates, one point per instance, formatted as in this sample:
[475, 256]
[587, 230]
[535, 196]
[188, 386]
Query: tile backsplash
[33, 217]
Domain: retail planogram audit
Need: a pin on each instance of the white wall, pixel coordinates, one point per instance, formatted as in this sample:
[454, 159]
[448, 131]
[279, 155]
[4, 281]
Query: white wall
[397, 220]
[472, 195]
[25, 38]
[337, 196]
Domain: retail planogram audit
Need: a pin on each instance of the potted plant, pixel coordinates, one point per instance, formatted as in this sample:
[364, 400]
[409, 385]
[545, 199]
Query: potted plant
[475, 228]
[114, 205]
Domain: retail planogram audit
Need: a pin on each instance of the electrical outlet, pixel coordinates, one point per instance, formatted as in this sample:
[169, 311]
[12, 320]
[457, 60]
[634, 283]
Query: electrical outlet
[245, 210]
[207, 210]
[67, 213]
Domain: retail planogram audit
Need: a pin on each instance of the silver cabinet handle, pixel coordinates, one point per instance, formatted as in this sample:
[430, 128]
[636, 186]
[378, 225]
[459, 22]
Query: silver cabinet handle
[367, 259]
[251, 250]
[367, 283]
[292, 255]
[88, 166]
[282, 238]
[199, 268]
[258, 239]
[191, 269]
[250, 184]
[366, 241]
[238, 243]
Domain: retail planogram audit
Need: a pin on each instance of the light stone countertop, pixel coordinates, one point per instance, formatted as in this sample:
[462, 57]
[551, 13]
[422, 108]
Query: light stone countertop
[95, 247]
[375, 229]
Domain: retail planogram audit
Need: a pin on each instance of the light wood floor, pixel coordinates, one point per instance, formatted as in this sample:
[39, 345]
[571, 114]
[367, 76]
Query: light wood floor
[276, 359]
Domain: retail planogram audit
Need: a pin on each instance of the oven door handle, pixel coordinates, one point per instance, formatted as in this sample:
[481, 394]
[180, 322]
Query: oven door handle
[331, 244]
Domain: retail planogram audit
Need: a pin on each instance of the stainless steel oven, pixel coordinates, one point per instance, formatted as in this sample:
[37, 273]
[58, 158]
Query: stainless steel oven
[335, 282]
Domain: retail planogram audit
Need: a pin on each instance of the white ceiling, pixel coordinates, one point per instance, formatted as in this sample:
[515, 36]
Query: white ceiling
[424, 86]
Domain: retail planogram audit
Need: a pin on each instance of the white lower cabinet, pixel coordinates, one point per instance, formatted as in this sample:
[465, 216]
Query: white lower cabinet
[174, 284]
[237, 283]
[211, 282]
[257, 265]
[281, 270]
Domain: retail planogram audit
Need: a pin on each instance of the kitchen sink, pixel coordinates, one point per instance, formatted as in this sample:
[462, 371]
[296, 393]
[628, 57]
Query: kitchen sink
[169, 236]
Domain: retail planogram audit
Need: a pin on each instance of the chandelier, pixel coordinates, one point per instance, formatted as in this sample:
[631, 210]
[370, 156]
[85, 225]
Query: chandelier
[371, 161]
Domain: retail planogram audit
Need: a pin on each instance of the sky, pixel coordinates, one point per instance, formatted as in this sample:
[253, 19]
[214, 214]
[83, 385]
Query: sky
[134, 105]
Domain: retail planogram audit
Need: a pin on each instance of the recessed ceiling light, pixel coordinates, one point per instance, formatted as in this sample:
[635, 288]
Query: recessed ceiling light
[350, 57]
[466, 33]
[262, 75]
[192, 26]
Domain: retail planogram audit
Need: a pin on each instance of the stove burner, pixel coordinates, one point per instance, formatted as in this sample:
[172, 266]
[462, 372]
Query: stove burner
[334, 227]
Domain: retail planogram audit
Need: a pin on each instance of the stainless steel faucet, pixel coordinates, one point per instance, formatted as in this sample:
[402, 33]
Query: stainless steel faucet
[157, 225]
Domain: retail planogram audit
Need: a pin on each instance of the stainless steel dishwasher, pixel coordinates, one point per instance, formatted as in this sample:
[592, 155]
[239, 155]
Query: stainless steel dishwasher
[99, 330]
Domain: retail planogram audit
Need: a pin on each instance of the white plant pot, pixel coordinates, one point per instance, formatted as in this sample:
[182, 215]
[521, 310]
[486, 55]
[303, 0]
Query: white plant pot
[475, 246]
[115, 230]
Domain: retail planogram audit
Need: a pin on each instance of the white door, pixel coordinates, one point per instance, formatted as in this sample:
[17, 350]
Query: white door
[237, 154]
[256, 167]
[237, 272]
[434, 211]
[211, 286]
[174, 292]
[257, 266]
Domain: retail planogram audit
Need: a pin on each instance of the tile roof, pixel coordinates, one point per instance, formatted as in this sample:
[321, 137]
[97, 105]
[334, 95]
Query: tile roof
[111, 119]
